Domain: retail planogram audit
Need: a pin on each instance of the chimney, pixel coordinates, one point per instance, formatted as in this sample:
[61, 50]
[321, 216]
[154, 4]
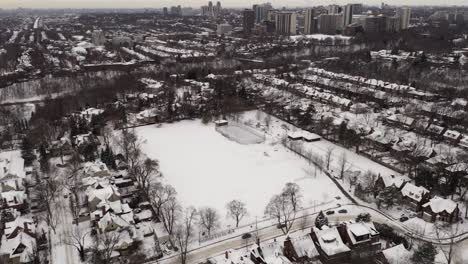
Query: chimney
[15, 199]
[25, 226]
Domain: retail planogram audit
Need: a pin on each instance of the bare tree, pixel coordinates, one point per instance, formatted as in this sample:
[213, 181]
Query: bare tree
[77, 239]
[169, 213]
[106, 244]
[144, 172]
[130, 145]
[267, 120]
[446, 234]
[281, 208]
[159, 194]
[293, 191]
[328, 157]
[209, 218]
[48, 191]
[236, 210]
[184, 232]
[343, 165]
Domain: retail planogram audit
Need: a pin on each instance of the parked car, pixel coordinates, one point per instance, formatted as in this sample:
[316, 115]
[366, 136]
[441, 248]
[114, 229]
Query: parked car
[404, 219]
[330, 212]
[342, 211]
[246, 236]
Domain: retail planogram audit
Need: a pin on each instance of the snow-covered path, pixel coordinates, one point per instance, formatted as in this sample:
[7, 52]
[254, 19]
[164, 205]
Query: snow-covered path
[62, 253]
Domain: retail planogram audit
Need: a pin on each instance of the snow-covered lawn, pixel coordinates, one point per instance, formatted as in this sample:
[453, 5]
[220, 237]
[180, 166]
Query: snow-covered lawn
[208, 169]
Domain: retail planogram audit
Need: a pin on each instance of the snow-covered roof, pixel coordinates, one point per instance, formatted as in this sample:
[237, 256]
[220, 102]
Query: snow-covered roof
[330, 241]
[393, 180]
[10, 247]
[414, 192]
[11, 164]
[303, 244]
[397, 255]
[452, 134]
[439, 204]
[20, 222]
[96, 168]
[13, 198]
[464, 142]
[111, 218]
[103, 193]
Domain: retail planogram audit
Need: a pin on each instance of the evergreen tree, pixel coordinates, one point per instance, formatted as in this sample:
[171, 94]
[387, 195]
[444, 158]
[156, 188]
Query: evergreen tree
[321, 220]
[425, 254]
[27, 151]
[363, 217]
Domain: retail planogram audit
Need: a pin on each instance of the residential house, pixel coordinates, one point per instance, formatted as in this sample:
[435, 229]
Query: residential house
[463, 142]
[362, 238]
[100, 194]
[387, 181]
[381, 140]
[440, 209]
[111, 222]
[20, 224]
[330, 245]
[414, 196]
[435, 131]
[394, 255]
[18, 249]
[452, 136]
[299, 247]
[401, 121]
[96, 169]
[12, 171]
[14, 199]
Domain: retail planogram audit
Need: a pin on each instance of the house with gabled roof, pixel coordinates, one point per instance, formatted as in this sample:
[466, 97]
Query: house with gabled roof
[14, 199]
[20, 224]
[12, 171]
[463, 142]
[18, 249]
[440, 209]
[452, 136]
[100, 194]
[299, 247]
[388, 181]
[414, 196]
[401, 121]
[110, 221]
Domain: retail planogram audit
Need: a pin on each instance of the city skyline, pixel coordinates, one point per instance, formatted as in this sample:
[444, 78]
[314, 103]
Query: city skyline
[198, 3]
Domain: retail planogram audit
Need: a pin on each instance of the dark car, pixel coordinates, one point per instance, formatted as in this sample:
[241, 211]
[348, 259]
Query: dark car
[246, 236]
[342, 211]
[404, 219]
[330, 212]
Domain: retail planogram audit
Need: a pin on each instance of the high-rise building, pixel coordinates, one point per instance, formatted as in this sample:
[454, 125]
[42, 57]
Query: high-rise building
[210, 10]
[333, 9]
[309, 22]
[330, 23]
[248, 20]
[286, 22]
[348, 11]
[375, 24]
[404, 14]
[260, 13]
[392, 24]
[165, 11]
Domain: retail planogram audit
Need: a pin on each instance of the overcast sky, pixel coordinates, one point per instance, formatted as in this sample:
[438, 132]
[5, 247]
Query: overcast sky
[198, 3]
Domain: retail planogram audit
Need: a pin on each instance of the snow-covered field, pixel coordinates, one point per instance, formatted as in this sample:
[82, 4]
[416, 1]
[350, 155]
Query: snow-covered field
[207, 169]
